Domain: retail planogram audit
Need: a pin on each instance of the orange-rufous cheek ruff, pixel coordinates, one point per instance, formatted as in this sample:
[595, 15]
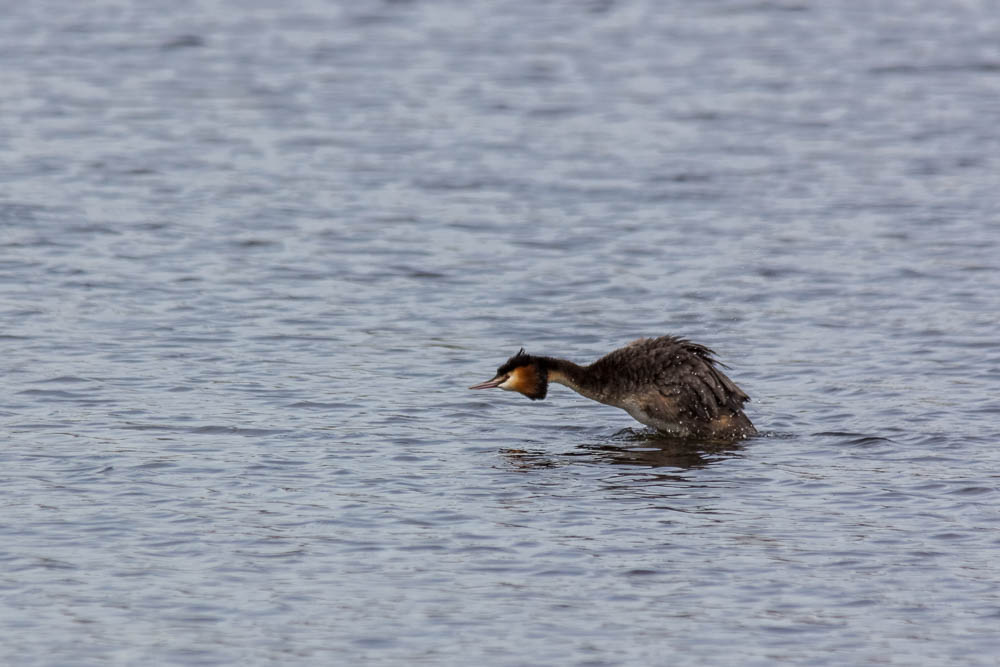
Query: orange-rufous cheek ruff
[521, 380]
[525, 380]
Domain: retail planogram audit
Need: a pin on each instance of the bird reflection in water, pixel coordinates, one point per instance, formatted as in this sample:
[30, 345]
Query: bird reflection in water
[633, 448]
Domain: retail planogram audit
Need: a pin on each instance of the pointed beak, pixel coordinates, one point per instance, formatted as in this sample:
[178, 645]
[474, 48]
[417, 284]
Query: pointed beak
[495, 382]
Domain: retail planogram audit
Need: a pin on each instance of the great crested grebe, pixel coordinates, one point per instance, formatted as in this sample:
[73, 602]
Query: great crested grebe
[668, 383]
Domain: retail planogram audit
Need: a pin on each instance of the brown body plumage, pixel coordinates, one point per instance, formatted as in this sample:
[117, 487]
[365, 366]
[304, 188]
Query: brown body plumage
[668, 383]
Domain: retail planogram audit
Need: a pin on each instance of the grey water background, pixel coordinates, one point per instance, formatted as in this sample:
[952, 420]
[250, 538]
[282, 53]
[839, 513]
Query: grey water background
[252, 253]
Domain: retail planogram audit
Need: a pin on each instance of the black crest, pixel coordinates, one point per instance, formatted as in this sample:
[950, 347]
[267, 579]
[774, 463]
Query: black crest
[518, 360]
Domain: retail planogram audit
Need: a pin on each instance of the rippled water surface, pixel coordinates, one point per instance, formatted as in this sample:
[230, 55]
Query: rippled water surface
[252, 253]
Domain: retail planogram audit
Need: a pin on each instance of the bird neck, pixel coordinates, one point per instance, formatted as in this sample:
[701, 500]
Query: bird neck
[574, 376]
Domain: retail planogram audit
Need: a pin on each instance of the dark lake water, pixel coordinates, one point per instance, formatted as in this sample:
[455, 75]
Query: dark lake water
[252, 254]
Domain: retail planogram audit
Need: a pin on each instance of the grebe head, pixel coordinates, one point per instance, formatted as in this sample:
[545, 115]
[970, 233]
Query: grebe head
[522, 373]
